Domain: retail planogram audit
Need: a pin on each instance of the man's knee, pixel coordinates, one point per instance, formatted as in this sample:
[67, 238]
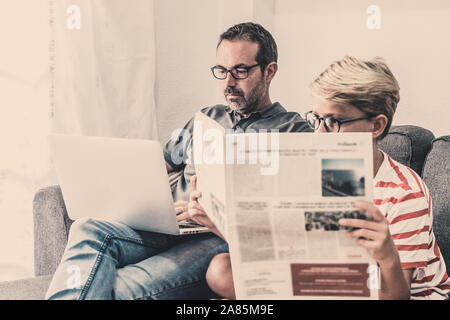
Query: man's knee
[84, 227]
[87, 226]
[219, 275]
[87, 230]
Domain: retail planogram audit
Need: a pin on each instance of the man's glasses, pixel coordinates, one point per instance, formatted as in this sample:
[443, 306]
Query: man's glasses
[331, 124]
[238, 73]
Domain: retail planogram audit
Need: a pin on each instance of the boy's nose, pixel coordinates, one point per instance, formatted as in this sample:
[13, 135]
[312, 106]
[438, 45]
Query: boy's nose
[321, 127]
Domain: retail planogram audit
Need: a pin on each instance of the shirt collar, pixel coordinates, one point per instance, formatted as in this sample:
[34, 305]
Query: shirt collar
[267, 112]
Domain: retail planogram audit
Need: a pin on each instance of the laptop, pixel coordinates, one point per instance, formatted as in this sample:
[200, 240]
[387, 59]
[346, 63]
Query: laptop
[117, 179]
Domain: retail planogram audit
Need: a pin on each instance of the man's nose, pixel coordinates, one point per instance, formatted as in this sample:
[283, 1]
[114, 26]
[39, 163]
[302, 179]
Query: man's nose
[230, 81]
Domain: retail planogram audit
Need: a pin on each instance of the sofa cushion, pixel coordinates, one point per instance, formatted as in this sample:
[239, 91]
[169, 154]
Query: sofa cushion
[408, 145]
[436, 174]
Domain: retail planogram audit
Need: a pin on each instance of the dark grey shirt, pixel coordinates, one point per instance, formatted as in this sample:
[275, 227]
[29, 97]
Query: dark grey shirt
[273, 117]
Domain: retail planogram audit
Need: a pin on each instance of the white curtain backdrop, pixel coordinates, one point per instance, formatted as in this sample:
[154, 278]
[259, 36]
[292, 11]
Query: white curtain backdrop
[104, 68]
[24, 123]
[95, 80]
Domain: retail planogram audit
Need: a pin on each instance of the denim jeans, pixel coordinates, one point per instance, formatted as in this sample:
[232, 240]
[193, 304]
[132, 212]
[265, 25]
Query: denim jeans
[110, 260]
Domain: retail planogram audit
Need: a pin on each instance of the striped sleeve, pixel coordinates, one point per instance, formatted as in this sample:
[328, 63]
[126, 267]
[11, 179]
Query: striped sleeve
[406, 202]
[403, 198]
[410, 230]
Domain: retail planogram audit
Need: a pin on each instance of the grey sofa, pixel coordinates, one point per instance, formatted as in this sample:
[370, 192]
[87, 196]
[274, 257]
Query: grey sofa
[410, 145]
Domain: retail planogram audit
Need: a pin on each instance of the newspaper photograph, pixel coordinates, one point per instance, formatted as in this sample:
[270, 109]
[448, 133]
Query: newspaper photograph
[277, 198]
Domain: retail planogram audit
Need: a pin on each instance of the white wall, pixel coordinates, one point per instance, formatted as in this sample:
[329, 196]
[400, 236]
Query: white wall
[186, 38]
[414, 39]
[24, 123]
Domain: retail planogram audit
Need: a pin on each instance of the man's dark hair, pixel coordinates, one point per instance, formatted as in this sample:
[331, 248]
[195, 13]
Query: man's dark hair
[253, 32]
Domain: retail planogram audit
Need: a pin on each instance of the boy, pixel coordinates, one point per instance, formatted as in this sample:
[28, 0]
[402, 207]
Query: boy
[354, 95]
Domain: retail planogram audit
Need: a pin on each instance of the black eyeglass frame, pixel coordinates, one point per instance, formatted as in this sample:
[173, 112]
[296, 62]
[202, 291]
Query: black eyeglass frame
[247, 68]
[339, 122]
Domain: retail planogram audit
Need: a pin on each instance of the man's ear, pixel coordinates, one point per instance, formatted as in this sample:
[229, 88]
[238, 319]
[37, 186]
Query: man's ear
[379, 124]
[270, 71]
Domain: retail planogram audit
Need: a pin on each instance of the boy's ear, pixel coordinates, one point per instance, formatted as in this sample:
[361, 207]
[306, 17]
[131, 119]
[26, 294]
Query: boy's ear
[270, 71]
[379, 124]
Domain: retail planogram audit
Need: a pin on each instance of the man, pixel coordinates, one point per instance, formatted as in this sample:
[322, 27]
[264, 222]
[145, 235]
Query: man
[112, 261]
[354, 95]
[246, 64]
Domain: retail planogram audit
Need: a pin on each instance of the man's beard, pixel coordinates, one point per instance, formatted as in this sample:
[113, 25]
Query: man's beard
[250, 103]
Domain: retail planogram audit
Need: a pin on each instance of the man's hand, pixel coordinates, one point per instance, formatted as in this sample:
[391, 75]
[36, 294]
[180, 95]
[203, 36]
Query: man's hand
[180, 207]
[194, 210]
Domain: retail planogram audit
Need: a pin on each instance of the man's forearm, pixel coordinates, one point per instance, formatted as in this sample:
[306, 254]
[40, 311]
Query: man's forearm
[217, 233]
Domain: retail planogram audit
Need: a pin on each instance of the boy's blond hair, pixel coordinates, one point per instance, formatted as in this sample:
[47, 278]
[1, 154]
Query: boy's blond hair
[367, 85]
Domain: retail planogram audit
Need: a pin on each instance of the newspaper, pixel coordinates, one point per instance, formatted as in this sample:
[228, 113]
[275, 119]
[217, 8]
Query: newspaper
[277, 199]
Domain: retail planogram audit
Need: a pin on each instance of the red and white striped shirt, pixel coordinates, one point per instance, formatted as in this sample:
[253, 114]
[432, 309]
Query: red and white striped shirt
[403, 198]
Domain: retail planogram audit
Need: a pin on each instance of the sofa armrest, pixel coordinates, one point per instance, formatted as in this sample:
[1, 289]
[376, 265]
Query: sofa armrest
[25, 289]
[51, 228]
[52, 224]
[436, 174]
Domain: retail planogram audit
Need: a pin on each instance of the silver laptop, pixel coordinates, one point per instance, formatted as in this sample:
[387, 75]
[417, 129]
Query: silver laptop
[115, 179]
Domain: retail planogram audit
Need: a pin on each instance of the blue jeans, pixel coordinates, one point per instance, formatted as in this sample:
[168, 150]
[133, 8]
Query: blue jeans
[110, 260]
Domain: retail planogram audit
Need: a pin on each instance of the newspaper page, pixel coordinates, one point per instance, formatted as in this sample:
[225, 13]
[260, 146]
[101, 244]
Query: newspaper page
[283, 232]
[277, 199]
[209, 161]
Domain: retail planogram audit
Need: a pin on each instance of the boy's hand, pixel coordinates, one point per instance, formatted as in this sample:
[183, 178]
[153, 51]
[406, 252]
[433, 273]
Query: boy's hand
[378, 240]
